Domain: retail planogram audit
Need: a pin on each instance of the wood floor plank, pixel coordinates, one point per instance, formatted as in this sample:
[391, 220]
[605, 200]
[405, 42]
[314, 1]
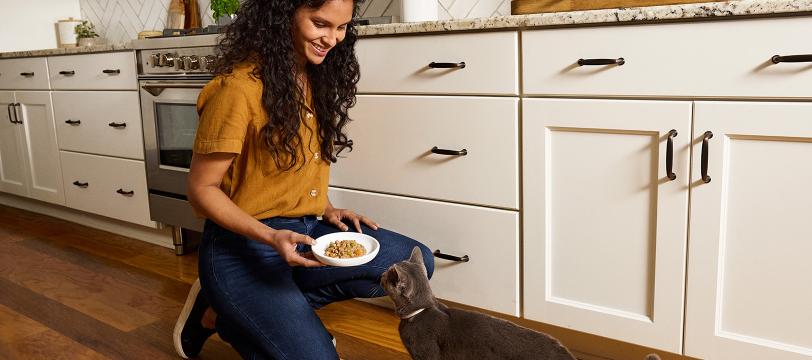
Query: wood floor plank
[14, 327]
[94, 334]
[94, 294]
[364, 321]
[51, 345]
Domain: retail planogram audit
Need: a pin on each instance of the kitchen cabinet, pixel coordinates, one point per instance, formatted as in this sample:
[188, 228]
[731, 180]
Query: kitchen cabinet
[33, 169]
[24, 74]
[604, 225]
[750, 256]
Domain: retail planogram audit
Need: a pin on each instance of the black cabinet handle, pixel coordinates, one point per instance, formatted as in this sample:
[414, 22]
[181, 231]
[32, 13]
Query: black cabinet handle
[791, 58]
[440, 255]
[9, 108]
[73, 122]
[618, 62]
[17, 119]
[447, 65]
[117, 125]
[125, 193]
[67, 72]
[109, 71]
[27, 74]
[705, 137]
[80, 184]
[437, 150]
[669, 155]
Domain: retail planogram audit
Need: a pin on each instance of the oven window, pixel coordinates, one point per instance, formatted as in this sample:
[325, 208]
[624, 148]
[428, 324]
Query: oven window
[177, 124]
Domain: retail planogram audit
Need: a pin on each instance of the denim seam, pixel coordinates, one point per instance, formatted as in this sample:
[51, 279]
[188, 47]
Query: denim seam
[237, 309]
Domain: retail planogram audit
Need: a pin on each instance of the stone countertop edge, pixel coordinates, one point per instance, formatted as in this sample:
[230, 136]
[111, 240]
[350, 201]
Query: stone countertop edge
[68, 51]
[601, 16]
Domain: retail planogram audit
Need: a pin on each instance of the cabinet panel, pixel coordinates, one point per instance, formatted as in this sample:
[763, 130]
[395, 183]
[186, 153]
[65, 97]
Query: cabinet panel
[110, 71]
[12, 161]
[394, 137]
[750, 271]
[604, 227]
[41, 150]
[490, 280]
[24, 74]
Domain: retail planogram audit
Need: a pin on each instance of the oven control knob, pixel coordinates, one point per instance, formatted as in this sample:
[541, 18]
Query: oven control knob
[179, 62]
[191, 62]
[166, 60]
[208, 62]
[154, 60]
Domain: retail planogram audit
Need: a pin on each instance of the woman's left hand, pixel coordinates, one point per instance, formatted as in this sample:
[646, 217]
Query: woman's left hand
[337, 216]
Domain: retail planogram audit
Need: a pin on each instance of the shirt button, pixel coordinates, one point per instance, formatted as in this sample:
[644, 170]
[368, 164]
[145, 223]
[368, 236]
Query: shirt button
[316, 156]
[314, 192]
[309, 115]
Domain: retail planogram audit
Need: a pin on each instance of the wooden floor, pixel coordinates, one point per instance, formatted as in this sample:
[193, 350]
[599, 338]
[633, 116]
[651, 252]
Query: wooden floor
[71, 292]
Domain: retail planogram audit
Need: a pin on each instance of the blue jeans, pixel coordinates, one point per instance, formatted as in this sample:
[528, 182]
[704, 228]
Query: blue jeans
[265, 307]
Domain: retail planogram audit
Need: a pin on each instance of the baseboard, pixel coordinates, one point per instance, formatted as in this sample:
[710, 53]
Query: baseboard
[160, 237]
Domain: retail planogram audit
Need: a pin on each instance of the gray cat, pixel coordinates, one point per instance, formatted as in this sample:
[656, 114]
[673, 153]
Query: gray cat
[433, 331]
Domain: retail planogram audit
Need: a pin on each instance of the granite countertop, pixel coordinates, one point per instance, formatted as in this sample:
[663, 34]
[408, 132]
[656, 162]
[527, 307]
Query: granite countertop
[603, 16]
[68, 51]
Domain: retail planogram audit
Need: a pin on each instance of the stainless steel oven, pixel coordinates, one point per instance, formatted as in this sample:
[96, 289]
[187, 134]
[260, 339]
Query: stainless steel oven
[172, 71]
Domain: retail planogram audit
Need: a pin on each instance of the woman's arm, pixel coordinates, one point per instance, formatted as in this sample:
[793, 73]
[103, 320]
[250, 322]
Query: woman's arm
[203, 183]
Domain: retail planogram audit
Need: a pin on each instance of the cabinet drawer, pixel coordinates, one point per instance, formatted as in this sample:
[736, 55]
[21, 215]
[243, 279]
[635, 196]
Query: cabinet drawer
[685, 59]
[106, 177]
[24, 74]
[401, 64]
[108, 71]
[393, 138]
[99, 122]
[490, 238]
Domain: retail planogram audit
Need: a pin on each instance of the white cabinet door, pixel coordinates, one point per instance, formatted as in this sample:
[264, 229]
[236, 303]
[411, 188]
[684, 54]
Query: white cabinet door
[12, 161]
[749, 293]
[604, 226]
[40, 145]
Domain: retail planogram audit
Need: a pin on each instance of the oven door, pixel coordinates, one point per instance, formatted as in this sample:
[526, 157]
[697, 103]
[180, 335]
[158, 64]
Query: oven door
[169, 116]
[170, 121]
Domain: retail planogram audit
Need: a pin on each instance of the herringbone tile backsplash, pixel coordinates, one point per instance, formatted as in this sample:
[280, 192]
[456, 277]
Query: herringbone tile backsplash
[122, 20]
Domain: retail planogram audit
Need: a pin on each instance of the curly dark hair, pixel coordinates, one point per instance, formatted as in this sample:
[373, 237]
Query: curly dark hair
[261, 33]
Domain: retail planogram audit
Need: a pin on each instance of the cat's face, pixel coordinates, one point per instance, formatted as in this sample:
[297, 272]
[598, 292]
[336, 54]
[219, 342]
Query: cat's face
[407, 282]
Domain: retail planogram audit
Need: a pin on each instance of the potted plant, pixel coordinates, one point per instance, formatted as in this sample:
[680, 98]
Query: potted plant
[224, 10]
[86, 33]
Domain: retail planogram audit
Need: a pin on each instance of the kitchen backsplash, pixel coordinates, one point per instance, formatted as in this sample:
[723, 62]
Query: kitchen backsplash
[122, 20]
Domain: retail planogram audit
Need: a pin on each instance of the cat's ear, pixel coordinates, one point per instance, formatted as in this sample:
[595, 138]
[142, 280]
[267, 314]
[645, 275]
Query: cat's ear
[417, 256]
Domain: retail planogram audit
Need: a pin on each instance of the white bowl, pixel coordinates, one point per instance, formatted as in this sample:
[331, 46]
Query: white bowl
[368, 242]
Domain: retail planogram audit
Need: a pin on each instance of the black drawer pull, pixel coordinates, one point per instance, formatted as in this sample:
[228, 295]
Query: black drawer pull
[704, 163]
[669, 155]
[618, 62]
[791, 58]
[447, 65]
[10, 108]
[27, 74]
[109, 71]
[125, 193]
[66, 72]
[440, 255]
[17, 119]
[73, 122]
[80, 184]
[117, 125]
[437, 150]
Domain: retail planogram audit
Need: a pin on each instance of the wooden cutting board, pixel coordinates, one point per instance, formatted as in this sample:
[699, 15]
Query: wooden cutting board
[519, 7]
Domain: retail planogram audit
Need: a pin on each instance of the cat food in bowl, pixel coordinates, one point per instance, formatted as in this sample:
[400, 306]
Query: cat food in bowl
[345, 249]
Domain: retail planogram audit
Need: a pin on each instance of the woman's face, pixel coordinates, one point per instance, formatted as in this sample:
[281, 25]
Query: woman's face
[317, 31]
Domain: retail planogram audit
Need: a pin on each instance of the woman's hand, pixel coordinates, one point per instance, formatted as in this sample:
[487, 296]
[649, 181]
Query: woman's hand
[336, 216]
[285, 241]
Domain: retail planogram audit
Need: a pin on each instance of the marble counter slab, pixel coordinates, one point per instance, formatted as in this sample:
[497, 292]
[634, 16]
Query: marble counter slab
[603, 16]
[67, 51]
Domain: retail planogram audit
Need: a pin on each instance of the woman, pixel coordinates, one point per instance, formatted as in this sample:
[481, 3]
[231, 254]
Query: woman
[269, 122]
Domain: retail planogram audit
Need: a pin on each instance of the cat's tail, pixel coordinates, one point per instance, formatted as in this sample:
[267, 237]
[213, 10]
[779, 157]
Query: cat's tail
[652, 357]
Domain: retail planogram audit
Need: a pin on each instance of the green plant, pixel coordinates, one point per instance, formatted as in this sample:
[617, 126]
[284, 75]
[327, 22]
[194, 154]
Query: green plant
[85, 30]
[224, 7]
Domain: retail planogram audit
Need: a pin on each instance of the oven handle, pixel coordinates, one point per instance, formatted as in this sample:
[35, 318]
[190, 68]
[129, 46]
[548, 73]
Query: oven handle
[157, 88]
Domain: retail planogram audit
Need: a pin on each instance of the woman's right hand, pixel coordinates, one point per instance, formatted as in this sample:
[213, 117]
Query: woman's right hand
[285, 241]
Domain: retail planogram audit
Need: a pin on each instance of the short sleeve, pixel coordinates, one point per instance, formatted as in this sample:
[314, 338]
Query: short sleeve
[224, 112]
